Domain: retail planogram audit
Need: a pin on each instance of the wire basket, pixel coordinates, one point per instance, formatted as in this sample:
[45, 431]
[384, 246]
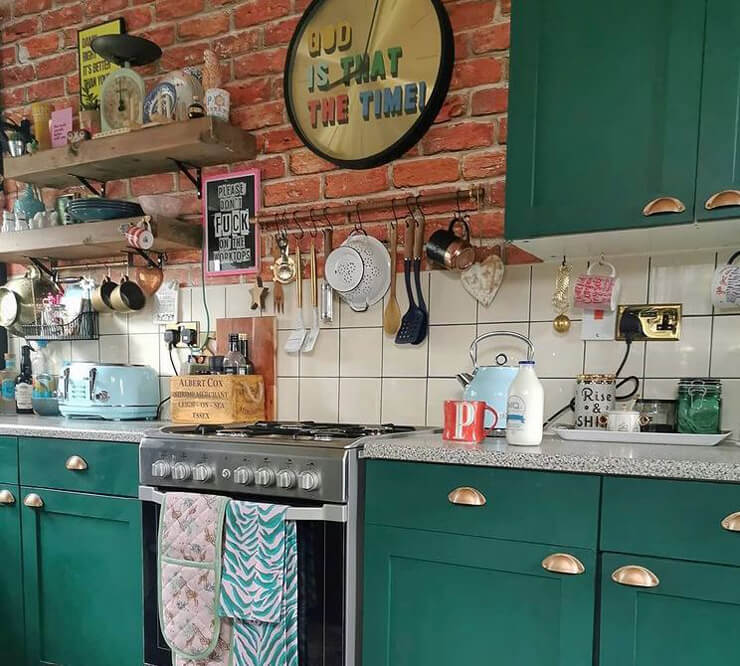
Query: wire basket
[83, 327]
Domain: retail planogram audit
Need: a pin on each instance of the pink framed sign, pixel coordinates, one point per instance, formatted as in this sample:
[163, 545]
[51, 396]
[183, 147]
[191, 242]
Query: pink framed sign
[231, 244]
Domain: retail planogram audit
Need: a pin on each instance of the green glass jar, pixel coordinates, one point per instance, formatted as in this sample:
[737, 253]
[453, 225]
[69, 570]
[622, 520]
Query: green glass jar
[699, 405]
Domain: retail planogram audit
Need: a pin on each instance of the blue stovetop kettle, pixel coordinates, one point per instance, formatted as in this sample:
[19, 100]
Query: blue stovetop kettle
[491, 383]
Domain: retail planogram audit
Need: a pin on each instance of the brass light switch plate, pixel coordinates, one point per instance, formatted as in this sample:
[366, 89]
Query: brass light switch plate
[649, 322]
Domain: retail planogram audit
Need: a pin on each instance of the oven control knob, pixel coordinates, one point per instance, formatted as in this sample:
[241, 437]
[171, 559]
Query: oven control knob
[265, 477]
[160, 469]
[243, 476]
[286, 479]
[202, 473]
[181, 471]
[309, 480]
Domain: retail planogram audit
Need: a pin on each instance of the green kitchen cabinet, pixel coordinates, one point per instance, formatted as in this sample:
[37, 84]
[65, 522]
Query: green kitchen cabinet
[604, 114]
[689, 619]
[11, 577]
[718, 179]
[436, 599]
[82, 578]
[8, 460]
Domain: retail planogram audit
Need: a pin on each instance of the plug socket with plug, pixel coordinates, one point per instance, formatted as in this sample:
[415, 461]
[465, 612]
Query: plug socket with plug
[186, 333]
[646, 323]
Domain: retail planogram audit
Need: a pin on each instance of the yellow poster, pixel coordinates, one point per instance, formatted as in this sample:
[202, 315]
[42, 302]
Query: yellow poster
[93, 69]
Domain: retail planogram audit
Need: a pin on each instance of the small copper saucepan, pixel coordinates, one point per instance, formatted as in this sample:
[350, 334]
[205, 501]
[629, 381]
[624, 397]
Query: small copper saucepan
[448, 249]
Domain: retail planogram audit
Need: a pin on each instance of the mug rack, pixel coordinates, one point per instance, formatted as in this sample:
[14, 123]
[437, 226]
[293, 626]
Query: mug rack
[284, 219]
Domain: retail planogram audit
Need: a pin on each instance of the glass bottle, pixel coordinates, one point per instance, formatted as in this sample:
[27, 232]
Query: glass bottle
[24, 384]
[248, 368]
[234, 360]
[7, 385]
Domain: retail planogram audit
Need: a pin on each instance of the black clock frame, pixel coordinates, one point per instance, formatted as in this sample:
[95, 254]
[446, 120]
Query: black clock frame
[422, 124]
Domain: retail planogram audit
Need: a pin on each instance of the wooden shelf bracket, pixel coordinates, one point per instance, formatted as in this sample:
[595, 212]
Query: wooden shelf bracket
[97, 192]
[185, 169]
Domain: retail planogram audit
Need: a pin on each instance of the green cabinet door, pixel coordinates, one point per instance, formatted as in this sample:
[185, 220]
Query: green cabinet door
[82, 576]
[689, 619]
[718, 177]
[603, 113]
[11, 578]
[435, 599]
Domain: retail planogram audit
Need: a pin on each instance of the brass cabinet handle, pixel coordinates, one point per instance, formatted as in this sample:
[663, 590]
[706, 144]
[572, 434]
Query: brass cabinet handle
[635, 576]
[33, 501]
[6, 497]
[732, 522]
[76, 464]
[562, 563]
[663, 205]
[467, 496]
[723, 199]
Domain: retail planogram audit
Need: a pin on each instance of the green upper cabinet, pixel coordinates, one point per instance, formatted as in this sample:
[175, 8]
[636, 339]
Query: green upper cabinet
[718, 180]
[604, 114]
[437, 599]
[689, 619]
[82, 576]
[11, 577]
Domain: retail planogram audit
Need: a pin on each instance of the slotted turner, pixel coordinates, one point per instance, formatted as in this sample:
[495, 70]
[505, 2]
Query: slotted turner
[413, 323]
[294, 343]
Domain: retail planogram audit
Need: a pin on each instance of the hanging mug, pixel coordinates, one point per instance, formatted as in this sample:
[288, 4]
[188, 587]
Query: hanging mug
[448, 249]
[597, 292]
[140, 236]
[726, 285]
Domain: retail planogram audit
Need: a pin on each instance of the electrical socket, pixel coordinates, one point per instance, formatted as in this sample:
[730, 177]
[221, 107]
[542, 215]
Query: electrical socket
[646, 323]
[182, 327]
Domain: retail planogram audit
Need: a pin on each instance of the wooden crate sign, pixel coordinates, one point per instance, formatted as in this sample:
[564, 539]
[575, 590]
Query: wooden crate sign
[217, 399]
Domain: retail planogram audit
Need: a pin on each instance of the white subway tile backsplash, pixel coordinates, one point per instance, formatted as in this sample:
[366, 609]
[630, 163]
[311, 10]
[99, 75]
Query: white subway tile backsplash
[319, 399]
[360, 352]
[404, 360]
[512, 300]
[216, 301]
[439, 390]
[660, 389]
[239, 301]
[404, 401]
[114, 323]
[604, 356]
[323, 361]
[684, 278]
[87, 351]
[164, 392]
[448, 349]
[687, 357]
[449, 302]
[633, 273]
[557, 355]
[726, 347]
[359, 400]
[348, 318]
[731, 406]
[287, 398]
[558, 394]
[143, 320]
[143, 349]
[114, 349]
[287, 364]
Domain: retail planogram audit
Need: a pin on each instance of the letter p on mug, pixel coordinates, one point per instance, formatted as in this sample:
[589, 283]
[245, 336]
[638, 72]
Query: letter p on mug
[464, 421]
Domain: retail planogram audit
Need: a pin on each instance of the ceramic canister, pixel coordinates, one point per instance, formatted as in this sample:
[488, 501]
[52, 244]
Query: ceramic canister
[595, 396]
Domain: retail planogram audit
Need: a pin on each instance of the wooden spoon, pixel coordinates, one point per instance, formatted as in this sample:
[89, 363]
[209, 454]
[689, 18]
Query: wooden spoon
[392, 313]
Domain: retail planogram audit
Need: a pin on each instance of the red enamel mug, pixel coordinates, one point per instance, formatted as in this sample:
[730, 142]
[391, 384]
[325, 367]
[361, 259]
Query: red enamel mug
[465, 420]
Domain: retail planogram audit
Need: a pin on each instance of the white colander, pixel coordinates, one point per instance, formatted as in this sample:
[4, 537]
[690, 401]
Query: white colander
[376, 277]
[344, 269]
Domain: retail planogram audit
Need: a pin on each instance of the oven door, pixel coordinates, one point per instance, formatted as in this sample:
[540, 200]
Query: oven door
[322, 583]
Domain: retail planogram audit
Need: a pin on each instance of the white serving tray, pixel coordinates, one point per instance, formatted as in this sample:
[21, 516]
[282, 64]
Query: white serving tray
[679, 438]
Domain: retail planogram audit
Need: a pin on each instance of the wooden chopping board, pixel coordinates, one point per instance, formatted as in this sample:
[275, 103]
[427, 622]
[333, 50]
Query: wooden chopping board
[262, 334]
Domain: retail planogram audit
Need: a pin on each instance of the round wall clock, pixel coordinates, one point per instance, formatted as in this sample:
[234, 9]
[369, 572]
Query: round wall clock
[365, 79]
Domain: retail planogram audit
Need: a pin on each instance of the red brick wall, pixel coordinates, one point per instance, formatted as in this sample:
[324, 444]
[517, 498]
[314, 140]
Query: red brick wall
[466, 146]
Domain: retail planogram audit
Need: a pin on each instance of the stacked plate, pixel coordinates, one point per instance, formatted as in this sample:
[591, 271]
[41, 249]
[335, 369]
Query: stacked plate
[95, 208]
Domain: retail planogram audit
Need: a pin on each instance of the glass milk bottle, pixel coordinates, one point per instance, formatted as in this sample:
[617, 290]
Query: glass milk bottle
[525, 407]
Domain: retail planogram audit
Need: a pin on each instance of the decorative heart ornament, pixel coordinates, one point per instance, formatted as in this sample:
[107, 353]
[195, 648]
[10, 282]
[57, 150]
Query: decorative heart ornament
[149, 279]
[482, 281]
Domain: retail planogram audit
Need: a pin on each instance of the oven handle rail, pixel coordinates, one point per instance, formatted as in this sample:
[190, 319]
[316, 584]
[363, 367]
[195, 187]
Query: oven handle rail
[328, 513]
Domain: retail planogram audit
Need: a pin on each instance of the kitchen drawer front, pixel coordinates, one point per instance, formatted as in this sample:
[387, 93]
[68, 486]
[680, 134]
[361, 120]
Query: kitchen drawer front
[675, 519]
[110, 468]
[8, 460]
[540, 507]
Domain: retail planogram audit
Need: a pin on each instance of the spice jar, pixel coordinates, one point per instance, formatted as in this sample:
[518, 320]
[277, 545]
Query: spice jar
[699, 405]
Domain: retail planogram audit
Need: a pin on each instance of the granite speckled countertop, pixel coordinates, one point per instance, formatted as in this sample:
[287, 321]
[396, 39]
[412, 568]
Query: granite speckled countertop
[56, 426]
[713, 463]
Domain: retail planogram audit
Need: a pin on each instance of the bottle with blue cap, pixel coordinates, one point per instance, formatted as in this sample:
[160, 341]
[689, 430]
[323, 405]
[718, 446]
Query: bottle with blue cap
[525, 407]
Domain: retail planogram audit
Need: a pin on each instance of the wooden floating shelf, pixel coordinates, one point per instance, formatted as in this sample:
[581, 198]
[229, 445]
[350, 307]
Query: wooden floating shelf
[94, 240]
[200, 142]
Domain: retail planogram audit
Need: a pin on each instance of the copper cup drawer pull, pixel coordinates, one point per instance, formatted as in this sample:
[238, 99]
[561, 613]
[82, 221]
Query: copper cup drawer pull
[467, 496]
[663, 205]
[76, 464]
[635, 576]
[563, 563]
[723, 199]
[33, 501]
[732, 522]
[6, 497]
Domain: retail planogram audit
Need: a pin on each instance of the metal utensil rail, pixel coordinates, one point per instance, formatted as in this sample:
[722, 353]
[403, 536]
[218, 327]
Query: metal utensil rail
[328, 513]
